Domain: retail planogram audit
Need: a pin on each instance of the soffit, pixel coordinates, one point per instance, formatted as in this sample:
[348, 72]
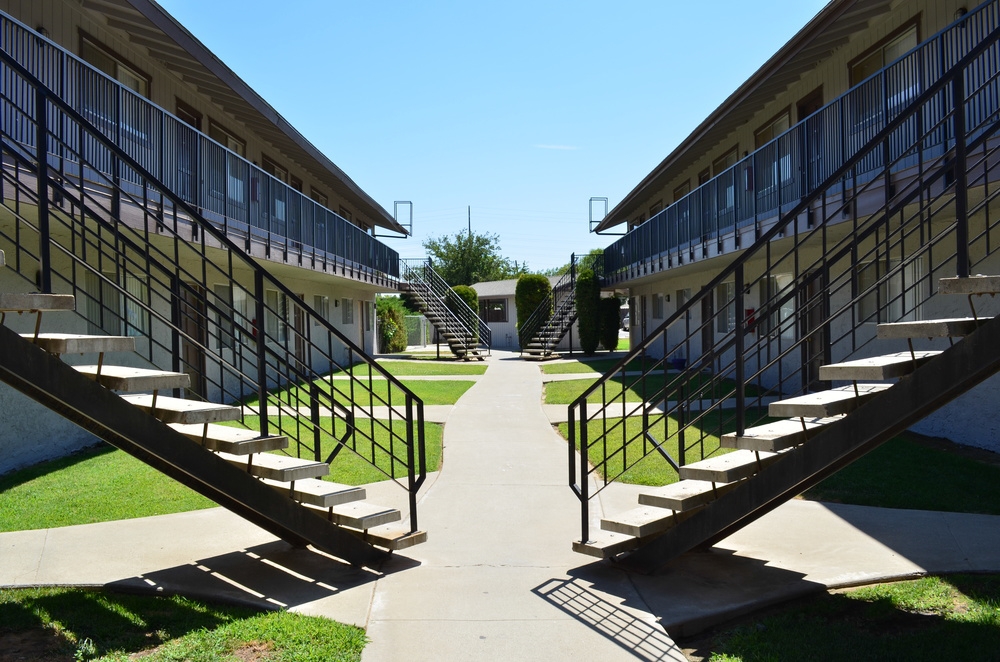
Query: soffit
[145, 24]
[830, 29]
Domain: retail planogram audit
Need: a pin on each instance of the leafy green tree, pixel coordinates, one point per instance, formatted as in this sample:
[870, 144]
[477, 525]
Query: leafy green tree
[469, 258]
[389, 314]
[588, 297]
[594, 260]
[609, 308]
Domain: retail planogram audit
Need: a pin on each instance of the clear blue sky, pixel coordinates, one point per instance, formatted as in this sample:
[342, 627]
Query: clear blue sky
[521, 110]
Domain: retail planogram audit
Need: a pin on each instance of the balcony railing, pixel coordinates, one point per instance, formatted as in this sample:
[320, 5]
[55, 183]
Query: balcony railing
[236, 196]
[773, 178]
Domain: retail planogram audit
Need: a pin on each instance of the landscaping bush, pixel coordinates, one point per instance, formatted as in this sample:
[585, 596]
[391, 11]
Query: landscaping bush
[609, 322]
[588, 297]
[531, 290]
[466, 294]
[390, 314]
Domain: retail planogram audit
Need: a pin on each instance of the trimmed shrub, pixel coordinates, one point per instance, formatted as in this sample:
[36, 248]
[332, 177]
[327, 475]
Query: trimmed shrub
[588, 297]
[468, 295]
[608, 313]
[390, 316]
[531, 290]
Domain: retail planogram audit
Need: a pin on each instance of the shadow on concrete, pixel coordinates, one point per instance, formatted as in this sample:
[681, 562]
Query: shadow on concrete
[274, 575]
[643, 639]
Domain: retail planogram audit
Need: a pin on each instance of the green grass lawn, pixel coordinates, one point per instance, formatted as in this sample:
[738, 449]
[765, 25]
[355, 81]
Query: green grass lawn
[933, 618]
[104, 484]
[585, 366]
[79, 624]
[444, 392]
[565, 392]
[415, 368]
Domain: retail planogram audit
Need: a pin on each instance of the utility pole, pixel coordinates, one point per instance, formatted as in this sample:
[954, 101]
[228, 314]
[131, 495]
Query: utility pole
[470, 221]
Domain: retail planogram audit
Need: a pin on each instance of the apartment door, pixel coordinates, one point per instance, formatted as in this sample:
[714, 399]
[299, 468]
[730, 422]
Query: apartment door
[195, 329]
[814, 304]
[814, 135]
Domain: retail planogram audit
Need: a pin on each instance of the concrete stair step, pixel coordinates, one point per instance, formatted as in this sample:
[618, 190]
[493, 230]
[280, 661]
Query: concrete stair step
[74, 343]
[943, 328]
[840, 400]
[727, 468]
[777, 435]
[16, 302]
[391, 537]
[282, 468]
[972, 285]
[363, 515]
[135, 380]
[605, 544]
[641, 522]
[684, 495]
[176, 410]
[887, 366]
[227, 439]
[319, 493]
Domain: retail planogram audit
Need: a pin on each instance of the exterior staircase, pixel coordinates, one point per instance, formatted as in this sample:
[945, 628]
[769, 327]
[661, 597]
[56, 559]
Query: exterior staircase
[207, 338]
[467, 335]
[784, 384]
[814, 435]
[541, 333]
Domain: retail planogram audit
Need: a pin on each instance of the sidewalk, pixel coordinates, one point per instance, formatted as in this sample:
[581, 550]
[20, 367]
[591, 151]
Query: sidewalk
[497, 579]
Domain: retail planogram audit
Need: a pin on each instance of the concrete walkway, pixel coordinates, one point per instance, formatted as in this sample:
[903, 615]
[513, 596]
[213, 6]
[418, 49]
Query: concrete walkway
[497, 579]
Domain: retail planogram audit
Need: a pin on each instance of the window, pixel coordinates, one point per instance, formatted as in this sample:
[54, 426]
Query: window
[319, 197]
[103, 58]
[656, 208]
[272, 168]
[682, 190]
[884, 53]
[229, 140]
[321, 304]
[274, 316]
[897, 297]
[493, 310]
[345, 213]
[109, 311]
[657, 306]
[295, 183]
[347, 311]
[778, 321]
[136, 313]
[777, 153]
[725, 162]
[704, 176]
[725, 303]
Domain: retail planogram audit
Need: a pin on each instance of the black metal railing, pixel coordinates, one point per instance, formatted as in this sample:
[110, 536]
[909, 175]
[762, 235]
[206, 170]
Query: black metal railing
[249, 205]
[142, 261]
[734, 208]
[457, 318]
[811, 289]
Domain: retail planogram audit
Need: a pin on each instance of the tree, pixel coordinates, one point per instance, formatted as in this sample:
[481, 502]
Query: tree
[469, 258]
[530, 291]
[593, 260]
[610, 322]
[588, 297]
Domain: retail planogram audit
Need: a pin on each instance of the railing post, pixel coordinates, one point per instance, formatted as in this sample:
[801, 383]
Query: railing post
[259, 329]
[41, 151]
[740, 352]
[583, 478]
[410, 463]
[961, 179]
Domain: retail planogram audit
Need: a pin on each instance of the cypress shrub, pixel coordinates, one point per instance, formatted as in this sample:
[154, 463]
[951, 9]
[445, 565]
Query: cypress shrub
[588, 297]
[471, 299]
[531, 290]
[609, 322]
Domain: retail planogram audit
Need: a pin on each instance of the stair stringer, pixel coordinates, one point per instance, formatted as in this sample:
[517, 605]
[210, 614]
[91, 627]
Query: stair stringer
[955, 371]
[56, 385]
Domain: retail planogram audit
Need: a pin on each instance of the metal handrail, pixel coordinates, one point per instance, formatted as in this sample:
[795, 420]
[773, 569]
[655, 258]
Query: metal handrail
[819, 314]
[225, 188]
[738, 204]
[550, 308]
[141, 259]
